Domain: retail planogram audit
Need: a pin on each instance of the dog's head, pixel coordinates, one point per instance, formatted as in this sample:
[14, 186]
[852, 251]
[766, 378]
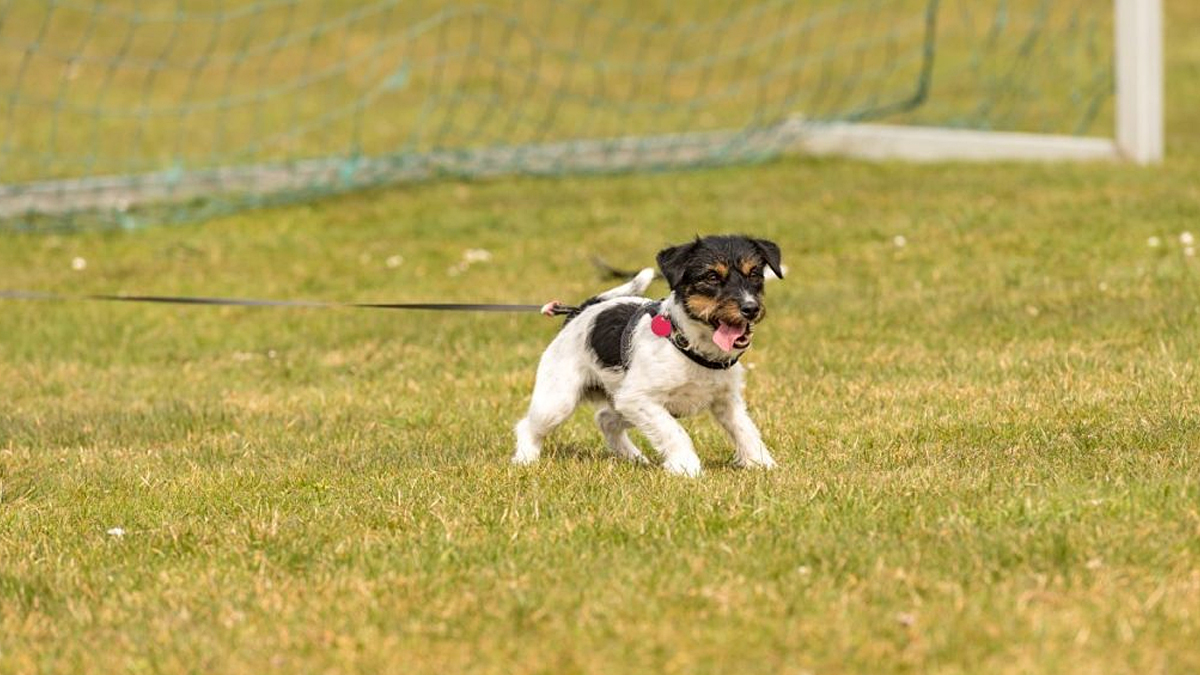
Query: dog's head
[719, 281]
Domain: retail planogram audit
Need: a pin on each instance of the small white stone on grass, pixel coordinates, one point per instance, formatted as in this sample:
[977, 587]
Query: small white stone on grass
[78, 264]
[116, 532]
[470, 257]
[899, 241]
[1186, 238]
[1154, 242]
[474, 255]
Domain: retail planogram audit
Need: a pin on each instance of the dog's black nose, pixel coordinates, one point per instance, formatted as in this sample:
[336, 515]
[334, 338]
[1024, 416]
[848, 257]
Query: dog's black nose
[749, 309]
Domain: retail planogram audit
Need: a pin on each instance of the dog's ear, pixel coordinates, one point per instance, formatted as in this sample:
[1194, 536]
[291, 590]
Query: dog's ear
[673, 262]
[770, 253]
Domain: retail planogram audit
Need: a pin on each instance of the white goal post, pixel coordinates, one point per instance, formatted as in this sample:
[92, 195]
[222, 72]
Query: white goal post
[1138, 135]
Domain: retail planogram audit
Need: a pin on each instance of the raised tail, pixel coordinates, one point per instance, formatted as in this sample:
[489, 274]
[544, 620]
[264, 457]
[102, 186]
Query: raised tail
[635, 286]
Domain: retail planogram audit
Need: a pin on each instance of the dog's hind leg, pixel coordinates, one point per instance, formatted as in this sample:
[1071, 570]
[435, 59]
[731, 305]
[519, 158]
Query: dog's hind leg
[613, 426]
[555, 395]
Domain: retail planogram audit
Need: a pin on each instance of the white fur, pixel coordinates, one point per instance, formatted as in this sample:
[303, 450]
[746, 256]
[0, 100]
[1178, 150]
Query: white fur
[659, 385]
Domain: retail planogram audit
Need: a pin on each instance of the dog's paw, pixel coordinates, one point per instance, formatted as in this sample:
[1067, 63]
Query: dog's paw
[520, 458]
[633, 457]
[759, 460]
[683, 465]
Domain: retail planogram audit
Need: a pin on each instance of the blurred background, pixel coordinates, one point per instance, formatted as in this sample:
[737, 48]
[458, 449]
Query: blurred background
[109, 107]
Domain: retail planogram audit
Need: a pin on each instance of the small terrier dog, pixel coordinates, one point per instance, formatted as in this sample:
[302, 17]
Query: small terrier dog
[645, 363]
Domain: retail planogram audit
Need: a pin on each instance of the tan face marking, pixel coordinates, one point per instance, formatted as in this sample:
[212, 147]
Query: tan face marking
[708, 308]
[726, 310]
[702, 306]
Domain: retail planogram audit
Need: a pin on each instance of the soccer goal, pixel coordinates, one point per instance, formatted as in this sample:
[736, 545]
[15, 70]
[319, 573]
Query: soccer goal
[122, 112]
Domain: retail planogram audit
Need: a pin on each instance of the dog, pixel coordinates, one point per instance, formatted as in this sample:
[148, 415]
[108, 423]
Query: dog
[645, 363]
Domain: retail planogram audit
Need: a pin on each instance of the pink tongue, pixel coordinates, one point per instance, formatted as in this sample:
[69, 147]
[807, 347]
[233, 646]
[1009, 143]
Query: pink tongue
[726, 335]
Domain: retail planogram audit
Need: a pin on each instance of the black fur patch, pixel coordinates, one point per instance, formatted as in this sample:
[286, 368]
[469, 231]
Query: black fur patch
[717, 273]
[687, 265]
[607, 336]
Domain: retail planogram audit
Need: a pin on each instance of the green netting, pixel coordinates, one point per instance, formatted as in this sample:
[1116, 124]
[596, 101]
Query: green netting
[121, 113]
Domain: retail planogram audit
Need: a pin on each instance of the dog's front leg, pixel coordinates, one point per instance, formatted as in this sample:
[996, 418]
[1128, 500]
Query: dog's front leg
[748, 447]
[664, 433]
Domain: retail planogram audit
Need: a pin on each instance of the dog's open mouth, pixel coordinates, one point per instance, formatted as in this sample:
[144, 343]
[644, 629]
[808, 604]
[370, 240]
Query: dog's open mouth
[731, 336]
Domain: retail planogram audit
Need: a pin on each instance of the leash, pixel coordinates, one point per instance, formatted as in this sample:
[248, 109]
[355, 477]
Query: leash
[661, 326]
[552, 308]
[549, 309]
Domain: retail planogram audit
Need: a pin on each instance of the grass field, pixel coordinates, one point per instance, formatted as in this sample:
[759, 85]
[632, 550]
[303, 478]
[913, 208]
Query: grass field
[989, 436]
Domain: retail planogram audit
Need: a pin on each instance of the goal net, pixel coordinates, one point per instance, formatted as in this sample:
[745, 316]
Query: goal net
[124, 112]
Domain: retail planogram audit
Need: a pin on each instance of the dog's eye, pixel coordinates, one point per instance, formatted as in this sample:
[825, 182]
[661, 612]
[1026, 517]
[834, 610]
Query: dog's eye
[712, 277]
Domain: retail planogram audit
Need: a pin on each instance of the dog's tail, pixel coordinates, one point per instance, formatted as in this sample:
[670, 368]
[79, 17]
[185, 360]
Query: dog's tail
[635, 286]
[610, 272]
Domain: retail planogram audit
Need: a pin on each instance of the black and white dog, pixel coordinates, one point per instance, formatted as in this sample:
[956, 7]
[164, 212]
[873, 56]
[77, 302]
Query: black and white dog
[645, 363]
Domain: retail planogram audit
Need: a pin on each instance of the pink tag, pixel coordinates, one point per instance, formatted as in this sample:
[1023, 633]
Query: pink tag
[660, 326]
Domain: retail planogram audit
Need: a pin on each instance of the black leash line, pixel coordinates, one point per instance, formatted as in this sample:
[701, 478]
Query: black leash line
[550, 309]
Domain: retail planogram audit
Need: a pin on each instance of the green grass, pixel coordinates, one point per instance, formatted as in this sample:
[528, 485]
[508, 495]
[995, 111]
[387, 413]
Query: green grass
[989, 438]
